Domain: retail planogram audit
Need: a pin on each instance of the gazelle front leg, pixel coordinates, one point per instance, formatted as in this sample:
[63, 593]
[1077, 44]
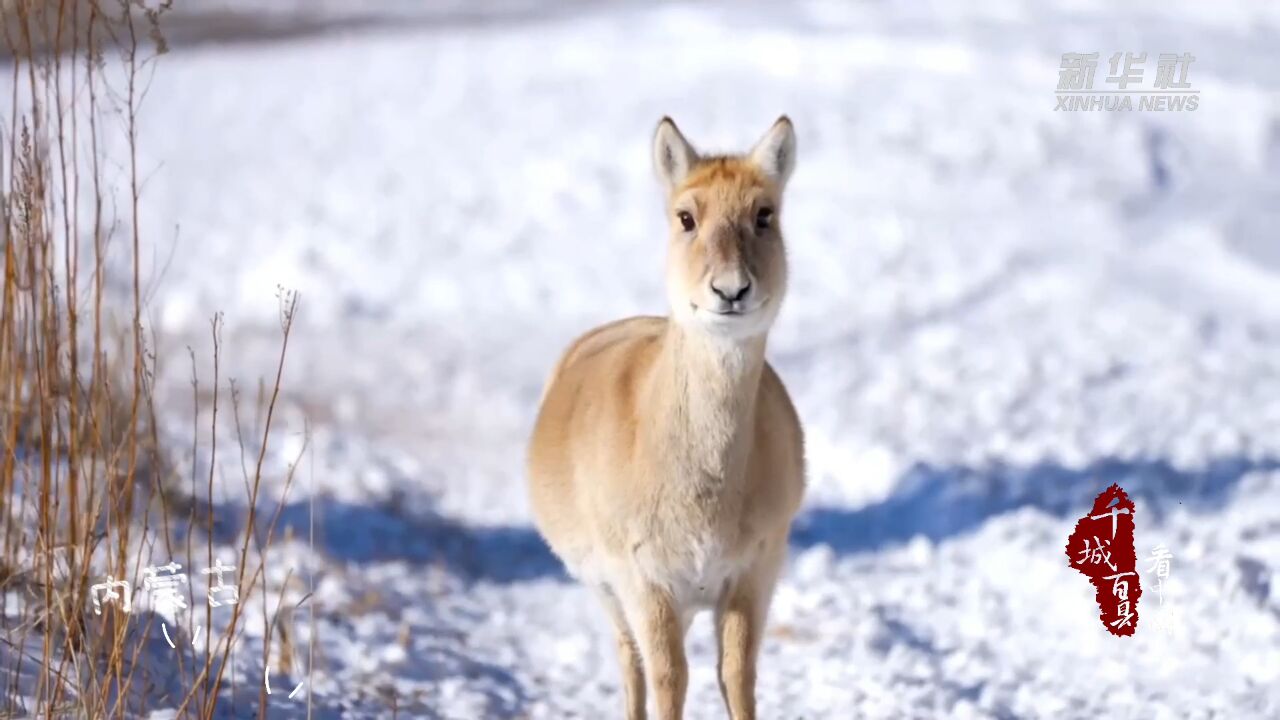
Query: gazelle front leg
[656, 624]
[628, 657]
[740, 622]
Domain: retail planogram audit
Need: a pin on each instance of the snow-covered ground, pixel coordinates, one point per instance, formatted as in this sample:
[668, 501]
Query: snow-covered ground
[996, 311]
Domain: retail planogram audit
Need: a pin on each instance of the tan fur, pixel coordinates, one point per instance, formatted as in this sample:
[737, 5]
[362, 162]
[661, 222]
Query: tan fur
[667, 460]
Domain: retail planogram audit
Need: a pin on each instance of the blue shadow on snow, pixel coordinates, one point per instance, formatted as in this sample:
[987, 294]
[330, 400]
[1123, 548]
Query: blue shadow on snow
[943, 502]
[930, 501]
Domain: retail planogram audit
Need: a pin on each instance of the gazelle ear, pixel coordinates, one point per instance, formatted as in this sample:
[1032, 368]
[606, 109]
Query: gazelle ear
[673, 156]
[775, 154]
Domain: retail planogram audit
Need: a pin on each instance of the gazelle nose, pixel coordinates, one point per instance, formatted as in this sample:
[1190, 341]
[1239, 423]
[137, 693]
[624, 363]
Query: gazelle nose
[732, 294]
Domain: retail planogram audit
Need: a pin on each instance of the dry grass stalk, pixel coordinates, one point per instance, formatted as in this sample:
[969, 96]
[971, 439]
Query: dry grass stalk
[83, 470]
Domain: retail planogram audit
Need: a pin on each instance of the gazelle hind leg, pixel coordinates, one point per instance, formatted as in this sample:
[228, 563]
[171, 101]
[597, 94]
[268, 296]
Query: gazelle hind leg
[740, 623]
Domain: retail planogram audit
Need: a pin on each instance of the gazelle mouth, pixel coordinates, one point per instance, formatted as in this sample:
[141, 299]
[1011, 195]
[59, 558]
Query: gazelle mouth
[732, 312]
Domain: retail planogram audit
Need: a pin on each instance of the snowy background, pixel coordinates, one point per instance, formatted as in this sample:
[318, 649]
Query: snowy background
[996, 311]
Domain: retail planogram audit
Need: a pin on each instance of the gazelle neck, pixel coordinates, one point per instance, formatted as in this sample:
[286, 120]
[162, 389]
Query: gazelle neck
[708, 400]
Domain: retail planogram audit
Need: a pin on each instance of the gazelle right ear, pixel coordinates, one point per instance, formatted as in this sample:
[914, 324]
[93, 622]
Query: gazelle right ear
[673, 156]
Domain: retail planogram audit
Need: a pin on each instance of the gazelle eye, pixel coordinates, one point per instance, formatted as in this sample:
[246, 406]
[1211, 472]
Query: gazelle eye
[686, 221]
[763, 218]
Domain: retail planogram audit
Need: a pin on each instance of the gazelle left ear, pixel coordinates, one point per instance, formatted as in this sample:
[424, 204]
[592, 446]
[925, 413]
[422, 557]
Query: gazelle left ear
[775, 154]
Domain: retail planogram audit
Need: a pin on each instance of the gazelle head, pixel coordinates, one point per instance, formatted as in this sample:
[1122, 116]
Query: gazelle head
[726, 263]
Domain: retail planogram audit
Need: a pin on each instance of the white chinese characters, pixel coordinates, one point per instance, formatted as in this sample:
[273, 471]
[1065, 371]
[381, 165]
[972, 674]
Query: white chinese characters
[164, 583]
[108, 593]
[221, 593]
[1161, 563]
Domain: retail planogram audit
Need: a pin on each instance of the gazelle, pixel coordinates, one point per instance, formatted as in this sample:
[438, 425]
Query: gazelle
[667, 461]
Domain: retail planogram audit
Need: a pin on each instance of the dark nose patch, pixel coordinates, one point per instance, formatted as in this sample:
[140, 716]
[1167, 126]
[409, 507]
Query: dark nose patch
[729, 247]
[743, 251]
